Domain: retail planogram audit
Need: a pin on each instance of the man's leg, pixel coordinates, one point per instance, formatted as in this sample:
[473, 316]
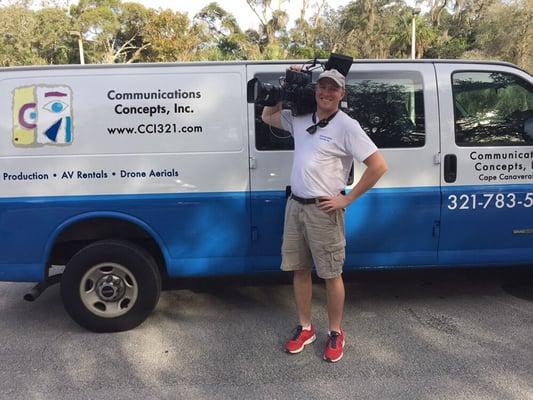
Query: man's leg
[303, 292]
[304, 333]
[325, 233]
[335, 299]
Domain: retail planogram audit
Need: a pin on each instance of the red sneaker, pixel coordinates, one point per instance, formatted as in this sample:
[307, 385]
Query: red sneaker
[334, 346]
[300, 337]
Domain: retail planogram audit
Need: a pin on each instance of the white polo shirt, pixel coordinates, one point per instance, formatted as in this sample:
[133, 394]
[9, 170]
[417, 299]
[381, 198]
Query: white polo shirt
[322, 160]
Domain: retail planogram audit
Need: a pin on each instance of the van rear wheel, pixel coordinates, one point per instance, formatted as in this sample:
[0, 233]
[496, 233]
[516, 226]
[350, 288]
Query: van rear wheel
[110, 286]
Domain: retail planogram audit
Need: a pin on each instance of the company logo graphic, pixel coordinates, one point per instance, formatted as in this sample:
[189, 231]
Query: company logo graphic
[42, 115]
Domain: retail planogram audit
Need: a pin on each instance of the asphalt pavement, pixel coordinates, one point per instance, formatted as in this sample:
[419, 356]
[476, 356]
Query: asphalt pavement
[417, 334]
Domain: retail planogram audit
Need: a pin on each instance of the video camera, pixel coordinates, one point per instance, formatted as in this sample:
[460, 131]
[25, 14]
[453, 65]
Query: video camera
[296, 88]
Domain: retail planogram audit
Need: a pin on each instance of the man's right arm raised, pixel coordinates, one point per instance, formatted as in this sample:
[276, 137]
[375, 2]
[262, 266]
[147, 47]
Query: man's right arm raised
[272, 116]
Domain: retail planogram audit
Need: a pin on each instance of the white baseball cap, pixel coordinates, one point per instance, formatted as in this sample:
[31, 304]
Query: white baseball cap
[335, 75]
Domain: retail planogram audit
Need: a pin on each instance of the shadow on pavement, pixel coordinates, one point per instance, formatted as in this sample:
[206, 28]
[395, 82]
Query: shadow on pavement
[516, 281]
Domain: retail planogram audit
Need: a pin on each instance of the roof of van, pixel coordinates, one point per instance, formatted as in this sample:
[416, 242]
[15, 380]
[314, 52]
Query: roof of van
[259, 62]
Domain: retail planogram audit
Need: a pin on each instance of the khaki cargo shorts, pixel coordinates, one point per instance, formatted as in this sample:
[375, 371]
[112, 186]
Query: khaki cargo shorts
[313, 237]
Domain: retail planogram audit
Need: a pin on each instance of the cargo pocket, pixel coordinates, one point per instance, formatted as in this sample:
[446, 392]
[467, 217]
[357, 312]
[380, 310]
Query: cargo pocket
[337, 254]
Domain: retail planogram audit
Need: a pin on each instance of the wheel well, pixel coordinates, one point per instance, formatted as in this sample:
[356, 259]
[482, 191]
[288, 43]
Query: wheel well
[80, 234]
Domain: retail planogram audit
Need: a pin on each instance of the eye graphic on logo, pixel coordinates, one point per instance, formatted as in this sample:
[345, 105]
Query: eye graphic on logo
[55, 106]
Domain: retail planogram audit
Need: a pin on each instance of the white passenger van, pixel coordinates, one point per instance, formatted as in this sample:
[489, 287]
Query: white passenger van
[128, 175]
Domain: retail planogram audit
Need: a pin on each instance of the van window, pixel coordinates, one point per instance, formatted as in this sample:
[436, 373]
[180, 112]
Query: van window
[492, 109]
[389, 106]
[266, 136]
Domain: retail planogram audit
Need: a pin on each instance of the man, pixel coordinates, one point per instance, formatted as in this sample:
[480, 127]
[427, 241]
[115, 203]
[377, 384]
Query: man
[325, 144]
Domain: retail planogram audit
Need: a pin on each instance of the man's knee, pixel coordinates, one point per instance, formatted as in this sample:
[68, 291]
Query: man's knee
[334, 281]
[302, 274]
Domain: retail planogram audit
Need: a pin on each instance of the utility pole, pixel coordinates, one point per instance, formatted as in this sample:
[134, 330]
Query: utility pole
[80, 45]
[416, 12]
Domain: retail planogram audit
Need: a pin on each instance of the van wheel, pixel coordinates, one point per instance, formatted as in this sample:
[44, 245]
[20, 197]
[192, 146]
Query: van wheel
[110, 286]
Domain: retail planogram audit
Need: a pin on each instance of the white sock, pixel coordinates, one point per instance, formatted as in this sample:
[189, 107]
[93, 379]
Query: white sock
[306, 327]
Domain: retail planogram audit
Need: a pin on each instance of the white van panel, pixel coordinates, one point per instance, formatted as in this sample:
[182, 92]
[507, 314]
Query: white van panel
[123, 130]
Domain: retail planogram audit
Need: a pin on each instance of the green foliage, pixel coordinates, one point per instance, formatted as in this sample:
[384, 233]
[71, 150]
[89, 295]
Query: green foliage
[120, 31]
[222, 37]
[17, 26]
[514, 41]
[53, 41]
[170, 37]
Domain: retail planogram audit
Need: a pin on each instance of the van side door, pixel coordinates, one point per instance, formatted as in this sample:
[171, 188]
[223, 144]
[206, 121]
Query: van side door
[394, 224]
[487, 169]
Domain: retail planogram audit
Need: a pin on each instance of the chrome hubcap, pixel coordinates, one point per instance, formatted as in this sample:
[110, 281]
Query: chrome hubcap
[108, 290]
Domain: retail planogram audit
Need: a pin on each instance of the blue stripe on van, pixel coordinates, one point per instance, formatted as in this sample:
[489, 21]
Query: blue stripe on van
[478, 231]
[200, 233]
[385, 227]
[211, 233]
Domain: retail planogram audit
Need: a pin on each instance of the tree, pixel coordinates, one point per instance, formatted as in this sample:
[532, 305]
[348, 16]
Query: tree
[303, 36]
[506, 32]
[171, 37]
[272, 30]
[222, 37]
[363, 28]
[133, 19]
[52, 38]
[117, 31]
[17, 27]
[485, 29]
[438, 7]
[111, 29]
[426, 34]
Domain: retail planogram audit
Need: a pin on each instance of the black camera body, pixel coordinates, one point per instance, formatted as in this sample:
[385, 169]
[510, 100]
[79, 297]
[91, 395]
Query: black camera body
[296, 90]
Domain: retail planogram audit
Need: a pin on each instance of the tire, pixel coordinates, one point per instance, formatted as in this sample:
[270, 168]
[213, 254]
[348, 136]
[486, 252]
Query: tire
[110, 286]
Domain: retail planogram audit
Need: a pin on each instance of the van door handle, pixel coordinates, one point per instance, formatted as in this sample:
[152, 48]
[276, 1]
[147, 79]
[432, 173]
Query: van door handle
[450, 168]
